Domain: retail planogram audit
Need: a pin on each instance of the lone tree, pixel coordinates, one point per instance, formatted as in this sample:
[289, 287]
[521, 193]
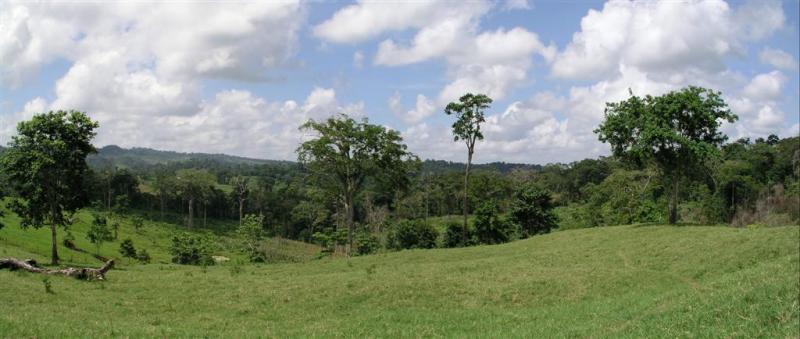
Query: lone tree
[45, 165]
[346, 152]
[469, 117]
[675, 131]
[532, 211]
[240, 191]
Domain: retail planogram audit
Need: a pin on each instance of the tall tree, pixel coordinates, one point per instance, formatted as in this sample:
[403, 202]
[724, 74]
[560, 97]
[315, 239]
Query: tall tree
[469, 117]
[193, 185]
[46, 165]
[165, 187]
[240, 190]
[676, 131]
[346, 152]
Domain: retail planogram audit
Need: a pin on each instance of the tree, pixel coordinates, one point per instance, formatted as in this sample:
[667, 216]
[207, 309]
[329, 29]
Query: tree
[46, 165]
[676, 131]
[469, 117]
[240, 191]
[346, 152]
[165, 186]
[490, 228]
[193, 185]
[532, 211]
[99, 232]
[251, 230]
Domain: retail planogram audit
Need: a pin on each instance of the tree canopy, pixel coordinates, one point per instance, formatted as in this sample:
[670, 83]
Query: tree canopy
[344, 153]
[45, 165]
[675, 131]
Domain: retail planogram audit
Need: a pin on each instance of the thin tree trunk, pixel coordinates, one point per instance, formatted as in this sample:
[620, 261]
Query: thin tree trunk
[191, 213]
[241, 205]
[162, 207]
[348, 207]
[466, 193]
[673, 208]
[205, 208]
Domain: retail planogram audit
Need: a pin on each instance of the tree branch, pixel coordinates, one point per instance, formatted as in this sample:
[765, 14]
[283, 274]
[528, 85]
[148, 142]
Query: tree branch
[77, 273]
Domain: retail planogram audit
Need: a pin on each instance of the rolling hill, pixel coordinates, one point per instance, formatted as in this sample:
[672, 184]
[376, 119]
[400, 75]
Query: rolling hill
[626, 281]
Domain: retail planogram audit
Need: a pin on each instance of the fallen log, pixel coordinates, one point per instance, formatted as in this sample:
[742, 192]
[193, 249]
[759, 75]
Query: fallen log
[78, 273]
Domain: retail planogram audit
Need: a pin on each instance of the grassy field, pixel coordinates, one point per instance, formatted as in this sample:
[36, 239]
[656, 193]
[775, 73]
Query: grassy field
[628, 281]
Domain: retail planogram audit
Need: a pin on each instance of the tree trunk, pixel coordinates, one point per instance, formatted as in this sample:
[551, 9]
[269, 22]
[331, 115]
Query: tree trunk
[348, 210]
[466, 193]
[205, 208]
[673, 203]
[241, 205]
[54, 245]
[78, 273]
[191, 212]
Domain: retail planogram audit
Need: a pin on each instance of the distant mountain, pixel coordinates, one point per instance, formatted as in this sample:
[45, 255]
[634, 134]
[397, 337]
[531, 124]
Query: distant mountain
[138, 157]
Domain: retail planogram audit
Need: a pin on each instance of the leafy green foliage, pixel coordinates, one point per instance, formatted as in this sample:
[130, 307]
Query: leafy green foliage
[677, 131]
[345, 153]
[45, 165]
[409, 234]
[456, 236]
[142, 256]
[490, 227]
[251, 232]
[367, 243]
[191, 249]
[126, 249]
[532, 211]
[137, 222]
[99, 232]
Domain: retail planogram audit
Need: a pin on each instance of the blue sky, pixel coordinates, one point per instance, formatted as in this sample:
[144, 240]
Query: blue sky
[239, 78]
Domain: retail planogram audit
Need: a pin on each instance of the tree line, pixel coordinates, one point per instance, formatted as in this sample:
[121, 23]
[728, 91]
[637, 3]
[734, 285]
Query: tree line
[356, 183]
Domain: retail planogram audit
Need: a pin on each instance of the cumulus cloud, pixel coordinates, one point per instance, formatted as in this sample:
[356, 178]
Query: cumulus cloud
[765, 87]
[368, 19]
[665, 36]
[423, 109]
[778, 59]
[242, 42]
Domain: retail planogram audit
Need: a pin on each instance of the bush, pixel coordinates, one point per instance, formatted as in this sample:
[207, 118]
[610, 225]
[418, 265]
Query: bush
[252, 232]
[408, 234]
[490, 228]
[454, 235]
[367, 243]
[532, 211]
[137, 222]
[143, 257]
[126, 249]
[188, 249]
[98, 232]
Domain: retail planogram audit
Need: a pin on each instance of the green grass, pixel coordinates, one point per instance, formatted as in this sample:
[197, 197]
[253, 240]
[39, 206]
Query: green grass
[628, 281]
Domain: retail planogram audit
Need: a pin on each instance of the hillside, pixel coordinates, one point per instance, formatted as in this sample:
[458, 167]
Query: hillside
[143, 158]
[629, 281]
[139, 157]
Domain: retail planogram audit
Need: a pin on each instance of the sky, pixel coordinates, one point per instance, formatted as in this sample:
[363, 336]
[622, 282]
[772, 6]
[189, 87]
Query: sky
[241, 77]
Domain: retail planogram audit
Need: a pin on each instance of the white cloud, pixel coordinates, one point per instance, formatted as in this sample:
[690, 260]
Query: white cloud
[369, 19]
[423, 109]
[778, 59]
[242, 42]
[665, 37]
[765, 87]
[517, 4]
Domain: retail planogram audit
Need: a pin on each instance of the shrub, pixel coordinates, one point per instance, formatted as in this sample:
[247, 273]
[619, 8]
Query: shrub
[490, 228]
[408, 234]
[143, 257]
[252, 232]
[98, 231]
[367, 243]
[137, 222]
[454, 235]
[126, 249]
[532, 211]
[188, 249]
